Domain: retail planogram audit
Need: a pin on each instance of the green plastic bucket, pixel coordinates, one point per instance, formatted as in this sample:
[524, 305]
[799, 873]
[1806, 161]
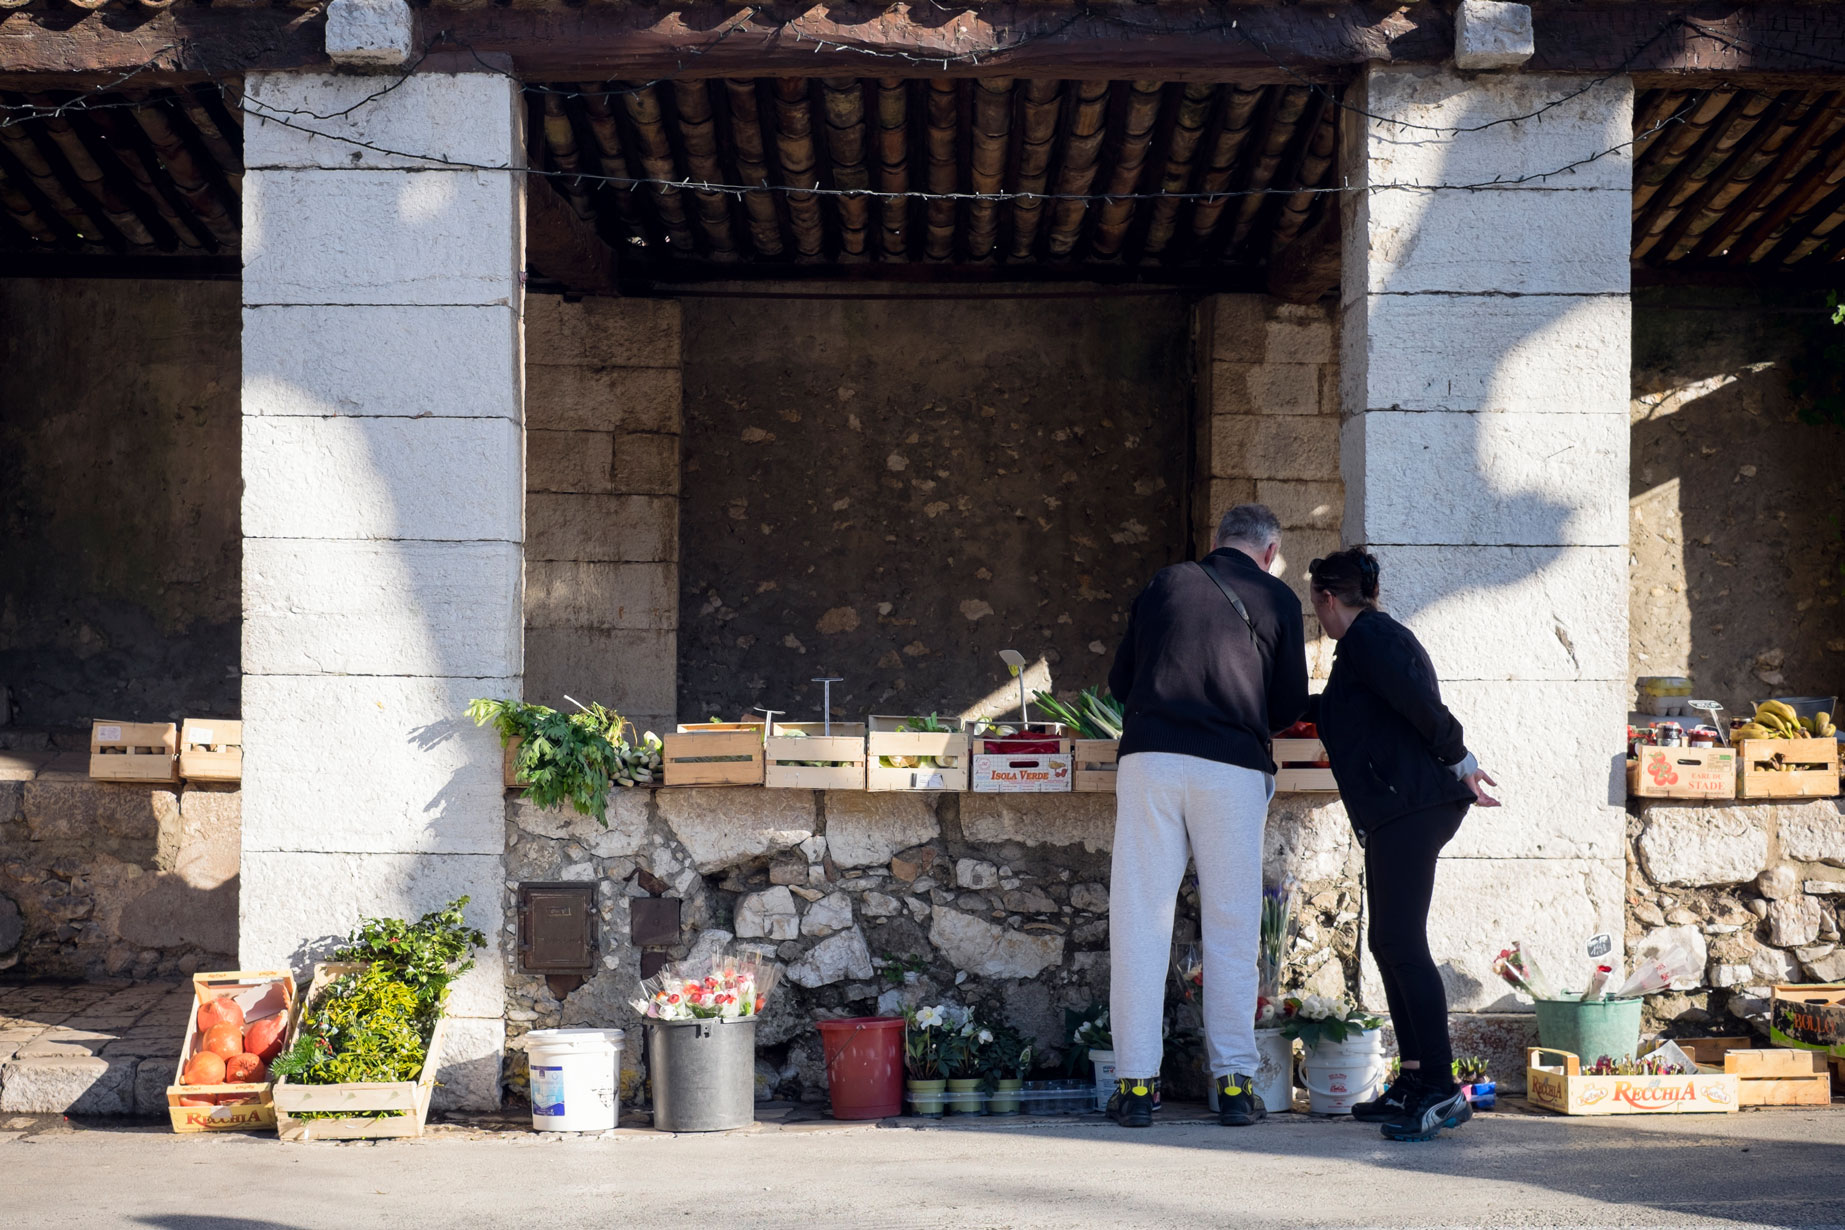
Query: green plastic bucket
[1611, 1027]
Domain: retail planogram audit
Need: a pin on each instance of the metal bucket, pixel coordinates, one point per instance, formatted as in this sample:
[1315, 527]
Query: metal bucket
[703, 1073]
[1608, 1027]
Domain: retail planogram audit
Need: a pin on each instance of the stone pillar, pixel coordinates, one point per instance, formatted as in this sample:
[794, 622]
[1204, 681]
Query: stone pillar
[1484, 374]
[382, 518]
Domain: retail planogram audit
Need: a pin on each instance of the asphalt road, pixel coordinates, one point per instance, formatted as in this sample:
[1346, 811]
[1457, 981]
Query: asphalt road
[1780, 1168]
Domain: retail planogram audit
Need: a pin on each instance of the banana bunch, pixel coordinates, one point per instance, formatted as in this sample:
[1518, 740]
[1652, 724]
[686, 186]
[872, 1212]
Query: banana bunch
[1774, 720]
[639, 764]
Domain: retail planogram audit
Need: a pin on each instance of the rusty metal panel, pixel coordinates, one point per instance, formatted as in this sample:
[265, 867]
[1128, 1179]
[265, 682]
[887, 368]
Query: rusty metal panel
[557, 928]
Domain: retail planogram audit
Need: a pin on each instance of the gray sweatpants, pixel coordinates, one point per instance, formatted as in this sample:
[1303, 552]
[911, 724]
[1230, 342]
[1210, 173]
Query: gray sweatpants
[1166, 807]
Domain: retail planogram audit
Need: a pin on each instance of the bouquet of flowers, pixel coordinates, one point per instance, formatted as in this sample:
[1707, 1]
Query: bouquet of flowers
[726, 987]
[1318, 1018]
[1188, 967]
[1276, 934]
[1520, 969]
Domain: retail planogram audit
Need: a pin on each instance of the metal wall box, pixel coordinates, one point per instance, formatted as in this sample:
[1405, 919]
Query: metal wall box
[557, 928]
[653, 922]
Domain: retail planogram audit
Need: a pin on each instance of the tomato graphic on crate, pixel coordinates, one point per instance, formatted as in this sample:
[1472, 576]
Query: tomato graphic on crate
[1659, 767]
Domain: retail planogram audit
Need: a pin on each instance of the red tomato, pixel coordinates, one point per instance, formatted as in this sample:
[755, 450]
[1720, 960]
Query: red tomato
[264, 1038]
[224, 1041]
[245, 1069]
[220, 1012]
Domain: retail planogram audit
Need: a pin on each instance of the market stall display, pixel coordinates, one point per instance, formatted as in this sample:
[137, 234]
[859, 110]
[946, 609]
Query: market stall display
[238, 1023]
[915, 753]
[1555, 1080]
[1036, 758]
[815, 756]
[569, 757]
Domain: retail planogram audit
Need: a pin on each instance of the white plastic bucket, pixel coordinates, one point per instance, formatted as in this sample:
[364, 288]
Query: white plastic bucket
[1338, 1075]
[1274, 1073]
[1104, 1077]
[573, 1079]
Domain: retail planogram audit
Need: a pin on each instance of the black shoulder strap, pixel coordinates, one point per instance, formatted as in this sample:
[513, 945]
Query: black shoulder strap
[1235, 601]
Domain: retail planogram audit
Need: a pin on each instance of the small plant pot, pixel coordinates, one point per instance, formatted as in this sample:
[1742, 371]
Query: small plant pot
[1040, 1098]
[964, 1096]
[1484, 1095]
[1005, 1098]
[926, 1098]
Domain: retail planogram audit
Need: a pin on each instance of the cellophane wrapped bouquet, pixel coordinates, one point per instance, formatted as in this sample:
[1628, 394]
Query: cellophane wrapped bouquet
[729, 987]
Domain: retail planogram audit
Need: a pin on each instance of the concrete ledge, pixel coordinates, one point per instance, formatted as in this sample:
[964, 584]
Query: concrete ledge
[68, 1084]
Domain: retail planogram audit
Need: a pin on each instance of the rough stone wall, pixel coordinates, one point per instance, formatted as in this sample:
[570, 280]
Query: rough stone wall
[1757, 887]
[1734, 578]
[1268, 431]
[119, 540]
[602, 504]
[894, 490]
[99, 879]
[999, 902]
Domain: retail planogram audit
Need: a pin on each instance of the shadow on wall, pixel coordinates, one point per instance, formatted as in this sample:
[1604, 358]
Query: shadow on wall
[1735, 503]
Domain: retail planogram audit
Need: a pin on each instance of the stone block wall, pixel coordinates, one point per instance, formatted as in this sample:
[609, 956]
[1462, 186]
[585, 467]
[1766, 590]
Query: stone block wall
[994, 901]
[602, 434]
[1268, 431]
[1757, 887]
[106, 880]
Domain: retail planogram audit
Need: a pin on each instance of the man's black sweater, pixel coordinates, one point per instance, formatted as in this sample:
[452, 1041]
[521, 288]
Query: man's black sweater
[1192, 678]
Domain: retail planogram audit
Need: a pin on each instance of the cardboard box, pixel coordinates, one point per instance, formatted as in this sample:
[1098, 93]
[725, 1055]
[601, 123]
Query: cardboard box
[1682, 773]
[211, 750]
[1809, 1018]
[134, 751]
[250, 1107]
[1561, 1087]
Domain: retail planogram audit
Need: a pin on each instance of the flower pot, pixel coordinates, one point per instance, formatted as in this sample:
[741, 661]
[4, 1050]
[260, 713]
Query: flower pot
[1484, 1095]
[1339, 1075]
[964, 1096]
[926, 1098]
[1275, 1074]
[1004, 1099]
[1104, 1077]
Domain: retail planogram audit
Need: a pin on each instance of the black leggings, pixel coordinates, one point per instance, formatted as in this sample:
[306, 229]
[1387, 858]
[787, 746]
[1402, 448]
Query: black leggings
[1399, 881]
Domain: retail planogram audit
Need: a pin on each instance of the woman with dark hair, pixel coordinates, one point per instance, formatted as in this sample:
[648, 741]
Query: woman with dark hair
[1407, 780]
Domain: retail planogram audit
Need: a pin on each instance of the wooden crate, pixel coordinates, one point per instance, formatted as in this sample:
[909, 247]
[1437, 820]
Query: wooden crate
[262, 994]
[1779, 1077]
[714, 754]
[134, 751]
[887, 737]
[409, 1098]
[1297, 769]
[1563, 1088]
[843, 751]
[509, 762]
[211, 750]
[1816, 775]
[1809, 1018]
[1709, 1052]
[1682, 773]
[1096, 762]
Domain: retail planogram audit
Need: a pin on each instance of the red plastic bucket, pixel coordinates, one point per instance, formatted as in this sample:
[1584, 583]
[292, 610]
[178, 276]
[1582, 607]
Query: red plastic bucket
[864, 1066]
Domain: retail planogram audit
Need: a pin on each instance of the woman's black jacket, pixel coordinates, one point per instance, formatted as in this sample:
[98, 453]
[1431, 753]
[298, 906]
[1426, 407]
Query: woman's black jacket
[1393, 745]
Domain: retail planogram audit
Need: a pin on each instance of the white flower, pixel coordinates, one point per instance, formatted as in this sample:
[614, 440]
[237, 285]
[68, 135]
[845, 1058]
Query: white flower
[986, 1036]
[928, 1018]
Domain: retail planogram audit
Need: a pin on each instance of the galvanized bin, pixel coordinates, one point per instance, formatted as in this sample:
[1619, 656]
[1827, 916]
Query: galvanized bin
[703, 1073]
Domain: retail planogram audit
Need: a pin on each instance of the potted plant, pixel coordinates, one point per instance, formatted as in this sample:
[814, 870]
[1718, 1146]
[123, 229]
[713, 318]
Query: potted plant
[963, 1050]
[1344, 1061]
[924, 1030]
[1004, 1062]
[1481, 1089]
[575, 758]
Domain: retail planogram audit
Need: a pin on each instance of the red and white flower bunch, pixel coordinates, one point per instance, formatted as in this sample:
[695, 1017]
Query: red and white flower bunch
[727, 987]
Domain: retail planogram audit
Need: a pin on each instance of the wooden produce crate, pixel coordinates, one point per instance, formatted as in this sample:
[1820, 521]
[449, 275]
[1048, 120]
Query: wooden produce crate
[1779, 1077]
[1814, 775]
[1709, 1052]
[398, 1108]
[250, 1106]
[1682, 773]
[714, 754]
[1809, 1018]
[888, 738]
[1563, 1088]
[211, 750]
[1096, 763]
[509, 762]
[1038, 759]
[842, 751]
[1297, 770]
[134, 751]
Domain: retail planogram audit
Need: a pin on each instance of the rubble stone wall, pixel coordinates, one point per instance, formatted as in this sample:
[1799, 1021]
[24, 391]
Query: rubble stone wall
[106, 880]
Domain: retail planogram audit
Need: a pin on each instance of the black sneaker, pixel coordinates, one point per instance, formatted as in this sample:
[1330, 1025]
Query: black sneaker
[1427, 1113]
[1389, 1103]
[1238, 1104]
[1131, 1105]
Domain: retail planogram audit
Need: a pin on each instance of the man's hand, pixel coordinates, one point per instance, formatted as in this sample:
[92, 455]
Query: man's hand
[1480, 796]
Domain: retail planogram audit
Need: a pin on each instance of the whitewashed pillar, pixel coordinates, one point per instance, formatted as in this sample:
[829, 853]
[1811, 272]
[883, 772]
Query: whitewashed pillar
[382, 517]
[1484, 359]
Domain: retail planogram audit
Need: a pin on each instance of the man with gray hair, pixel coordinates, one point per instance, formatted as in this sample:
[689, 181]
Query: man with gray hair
[1213, 664]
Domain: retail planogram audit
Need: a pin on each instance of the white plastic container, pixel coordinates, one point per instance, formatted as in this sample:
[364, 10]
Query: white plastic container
[1338, 1075]
[1104, 1077]
[573, 1079]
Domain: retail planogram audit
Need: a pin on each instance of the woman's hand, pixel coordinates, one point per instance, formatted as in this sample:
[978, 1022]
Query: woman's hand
[1480, 796]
